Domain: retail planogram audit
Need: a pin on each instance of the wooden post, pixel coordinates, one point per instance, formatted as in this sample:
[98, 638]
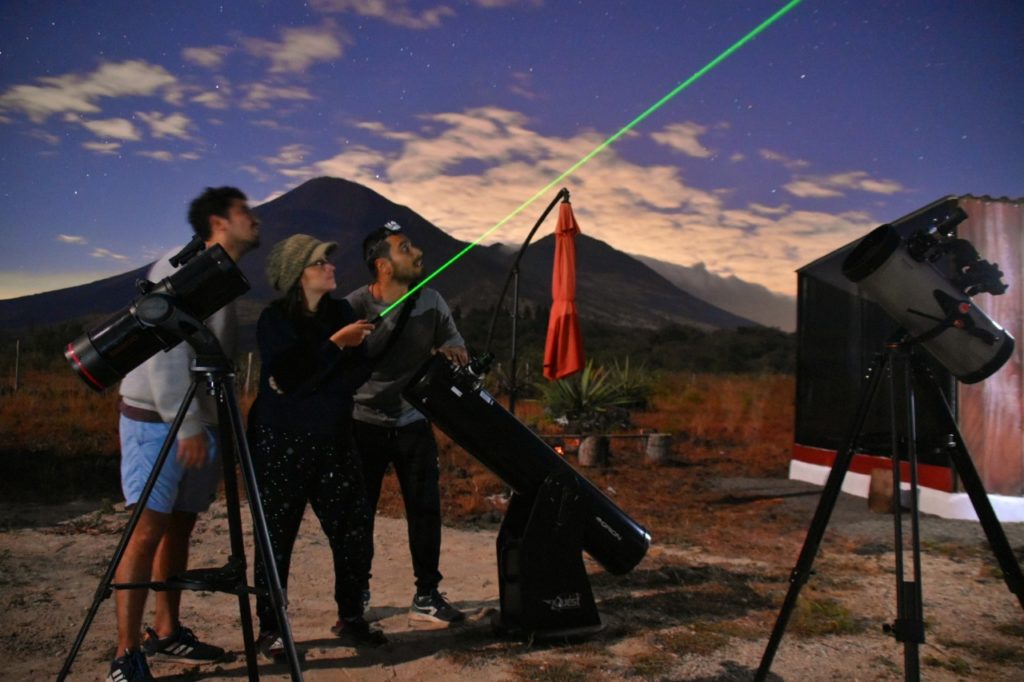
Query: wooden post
[594, 451]
[17, 358]
[659, 447]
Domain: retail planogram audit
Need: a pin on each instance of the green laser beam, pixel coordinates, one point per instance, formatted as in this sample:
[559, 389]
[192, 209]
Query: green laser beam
[601, 147]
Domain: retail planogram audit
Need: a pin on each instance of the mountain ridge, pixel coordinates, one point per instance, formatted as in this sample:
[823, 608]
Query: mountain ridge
[612, 286]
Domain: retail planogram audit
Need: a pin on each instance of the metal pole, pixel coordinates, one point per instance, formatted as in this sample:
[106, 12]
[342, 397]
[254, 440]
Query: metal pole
[513, 383]
[248, 372]
[563, 195]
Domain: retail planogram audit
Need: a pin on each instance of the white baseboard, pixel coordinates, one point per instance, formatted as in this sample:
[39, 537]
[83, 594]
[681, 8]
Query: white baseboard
[1008, 509]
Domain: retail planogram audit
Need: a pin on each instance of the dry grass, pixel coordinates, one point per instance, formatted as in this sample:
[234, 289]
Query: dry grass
[732, 425]
[54, 412]
[723, 425]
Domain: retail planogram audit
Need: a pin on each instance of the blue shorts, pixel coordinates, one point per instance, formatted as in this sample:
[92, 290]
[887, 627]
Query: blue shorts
[177, 488]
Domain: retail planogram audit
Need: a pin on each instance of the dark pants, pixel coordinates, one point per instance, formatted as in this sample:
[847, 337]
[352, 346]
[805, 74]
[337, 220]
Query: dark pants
[413, 452]
[291, 470]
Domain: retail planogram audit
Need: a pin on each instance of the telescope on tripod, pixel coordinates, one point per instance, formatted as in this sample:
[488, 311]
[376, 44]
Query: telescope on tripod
[165, 314]
[924, 277]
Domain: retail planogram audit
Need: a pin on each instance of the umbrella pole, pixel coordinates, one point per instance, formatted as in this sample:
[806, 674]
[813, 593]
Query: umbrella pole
[513, 274]
[513, 381]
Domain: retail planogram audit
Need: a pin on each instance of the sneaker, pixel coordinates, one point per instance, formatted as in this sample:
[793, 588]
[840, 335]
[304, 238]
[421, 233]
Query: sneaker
[357, 632]
[271, 645]
[181, 645]
[434, 608]
[131, 667]
[365, 594]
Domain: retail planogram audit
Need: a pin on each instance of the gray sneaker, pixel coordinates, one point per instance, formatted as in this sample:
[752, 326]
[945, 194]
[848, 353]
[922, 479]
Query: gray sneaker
[434, 608]
[181, 645]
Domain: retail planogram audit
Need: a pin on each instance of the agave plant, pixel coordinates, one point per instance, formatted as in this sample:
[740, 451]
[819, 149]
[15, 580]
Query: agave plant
[591, 400]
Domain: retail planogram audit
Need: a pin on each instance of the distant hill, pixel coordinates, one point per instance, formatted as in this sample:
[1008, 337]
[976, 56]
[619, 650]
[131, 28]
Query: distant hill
[753, 301]
[612, 286]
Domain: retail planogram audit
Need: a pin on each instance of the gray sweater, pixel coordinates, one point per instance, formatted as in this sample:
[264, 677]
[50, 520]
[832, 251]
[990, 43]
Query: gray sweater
[379, 401]
[159, 384]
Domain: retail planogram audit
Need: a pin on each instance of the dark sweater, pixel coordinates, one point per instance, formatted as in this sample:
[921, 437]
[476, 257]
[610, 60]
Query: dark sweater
[314, 379]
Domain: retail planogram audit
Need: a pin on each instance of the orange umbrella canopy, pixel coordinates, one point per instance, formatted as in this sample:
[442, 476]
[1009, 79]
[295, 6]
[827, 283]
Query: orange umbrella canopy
[563, 351]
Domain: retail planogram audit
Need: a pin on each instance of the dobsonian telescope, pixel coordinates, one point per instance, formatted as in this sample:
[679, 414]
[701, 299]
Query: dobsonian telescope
[554, 512]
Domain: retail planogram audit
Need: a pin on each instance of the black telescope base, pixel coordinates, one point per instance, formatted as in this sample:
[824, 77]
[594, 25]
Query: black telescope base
[545, 591]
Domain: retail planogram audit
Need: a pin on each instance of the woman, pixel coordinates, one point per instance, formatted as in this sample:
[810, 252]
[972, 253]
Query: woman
[313, 359]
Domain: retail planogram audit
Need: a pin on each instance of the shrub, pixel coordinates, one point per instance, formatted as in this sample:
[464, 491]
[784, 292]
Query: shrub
[597, 398]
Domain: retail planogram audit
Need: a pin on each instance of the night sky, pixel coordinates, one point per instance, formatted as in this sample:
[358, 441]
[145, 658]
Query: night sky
[840, 116]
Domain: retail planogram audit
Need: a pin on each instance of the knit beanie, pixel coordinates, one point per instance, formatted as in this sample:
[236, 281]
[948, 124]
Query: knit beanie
[289, 257]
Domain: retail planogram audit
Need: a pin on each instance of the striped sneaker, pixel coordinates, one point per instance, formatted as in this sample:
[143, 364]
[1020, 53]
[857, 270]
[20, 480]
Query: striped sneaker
[434, 608]
[271, 645]
[181, 645]
[131, 667]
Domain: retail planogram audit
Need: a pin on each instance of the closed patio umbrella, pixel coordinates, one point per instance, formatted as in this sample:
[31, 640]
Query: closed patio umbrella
[563, 351]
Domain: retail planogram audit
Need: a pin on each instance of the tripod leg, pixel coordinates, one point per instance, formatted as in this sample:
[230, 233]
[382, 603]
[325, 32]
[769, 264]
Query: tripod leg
[909, 626]
[833, 486]
[262, 535]
[229, 448]
[103, 590]
[979, 499]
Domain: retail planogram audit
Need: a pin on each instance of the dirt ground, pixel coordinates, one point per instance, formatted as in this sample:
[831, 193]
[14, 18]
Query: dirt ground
[699, 607]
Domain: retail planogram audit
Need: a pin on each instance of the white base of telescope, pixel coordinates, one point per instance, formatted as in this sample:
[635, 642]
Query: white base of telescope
[930, 501]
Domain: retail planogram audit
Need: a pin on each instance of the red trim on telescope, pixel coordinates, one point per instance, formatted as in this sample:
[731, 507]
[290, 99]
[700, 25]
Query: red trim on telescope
[82, 369]
[928, 475]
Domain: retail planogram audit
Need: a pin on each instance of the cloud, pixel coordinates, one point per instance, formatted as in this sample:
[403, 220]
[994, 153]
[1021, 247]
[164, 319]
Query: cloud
[467, 170]
[117, 128]
[102, 147]
[682, 137]
[769, 210]
[258, 173]
[289, 155]
[213, 99]
[159, 155]
[106, 253]
[71, 239]
[169, 125]
[299, 48]
[397, 12]
[46, 137]
[810, 187]
[493, 4]
[522, 85]
[210, 57]
[79, 93]
[261, 96]
[779, 157]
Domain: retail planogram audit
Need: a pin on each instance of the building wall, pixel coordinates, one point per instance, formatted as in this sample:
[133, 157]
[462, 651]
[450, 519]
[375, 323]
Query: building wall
[990, 412]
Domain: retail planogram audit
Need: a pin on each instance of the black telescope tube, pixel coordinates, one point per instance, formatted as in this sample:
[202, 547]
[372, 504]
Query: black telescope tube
[207, 283]
[454, 401]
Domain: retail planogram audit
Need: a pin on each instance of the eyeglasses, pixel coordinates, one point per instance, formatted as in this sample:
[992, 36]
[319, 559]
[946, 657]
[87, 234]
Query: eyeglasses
[321, 263]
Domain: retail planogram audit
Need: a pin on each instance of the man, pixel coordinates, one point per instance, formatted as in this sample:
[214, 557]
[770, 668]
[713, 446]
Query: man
[386, 428]
[150, 397]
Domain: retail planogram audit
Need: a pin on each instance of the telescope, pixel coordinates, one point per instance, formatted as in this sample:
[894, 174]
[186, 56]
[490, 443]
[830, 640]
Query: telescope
[924, 278]
[554, 513]
[204, 284]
